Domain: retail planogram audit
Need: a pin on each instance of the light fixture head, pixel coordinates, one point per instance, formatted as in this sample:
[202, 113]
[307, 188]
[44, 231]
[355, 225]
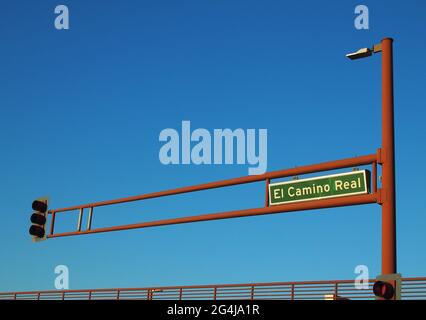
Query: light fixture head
[361, 53]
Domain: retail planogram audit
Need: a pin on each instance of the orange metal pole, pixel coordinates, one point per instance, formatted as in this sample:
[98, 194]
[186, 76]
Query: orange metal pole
[330, 165]
[295, 206]
[388, 162]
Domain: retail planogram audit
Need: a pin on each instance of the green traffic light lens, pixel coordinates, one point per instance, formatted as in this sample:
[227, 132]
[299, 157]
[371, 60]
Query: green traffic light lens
[36, 231]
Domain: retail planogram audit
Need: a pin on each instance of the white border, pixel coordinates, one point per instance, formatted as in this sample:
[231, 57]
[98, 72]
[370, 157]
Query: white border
[364, 172]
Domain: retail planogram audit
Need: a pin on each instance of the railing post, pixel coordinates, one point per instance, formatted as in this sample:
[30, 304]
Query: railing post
[292, 291]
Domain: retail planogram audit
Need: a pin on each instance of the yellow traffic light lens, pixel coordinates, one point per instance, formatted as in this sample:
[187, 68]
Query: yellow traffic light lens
[38, 219]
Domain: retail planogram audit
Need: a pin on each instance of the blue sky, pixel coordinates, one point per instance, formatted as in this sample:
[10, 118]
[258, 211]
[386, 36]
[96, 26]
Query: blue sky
[82, 109]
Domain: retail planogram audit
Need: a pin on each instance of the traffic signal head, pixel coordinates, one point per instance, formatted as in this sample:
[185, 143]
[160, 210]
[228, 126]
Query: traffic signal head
[39, 219]
[388, 287]
[384, 290]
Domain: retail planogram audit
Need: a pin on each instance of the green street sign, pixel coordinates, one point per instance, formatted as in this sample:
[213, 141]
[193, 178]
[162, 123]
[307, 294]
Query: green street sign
[331, 186]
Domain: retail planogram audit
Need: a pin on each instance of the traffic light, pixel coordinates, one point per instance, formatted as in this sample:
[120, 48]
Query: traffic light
[388, 287]
[39, 219]
[383, 290]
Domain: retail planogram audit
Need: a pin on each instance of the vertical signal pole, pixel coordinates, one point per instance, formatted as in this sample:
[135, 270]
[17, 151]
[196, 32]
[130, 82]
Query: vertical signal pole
[388, 162]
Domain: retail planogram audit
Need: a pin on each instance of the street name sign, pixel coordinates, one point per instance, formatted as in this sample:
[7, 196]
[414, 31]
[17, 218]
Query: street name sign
[331, 186]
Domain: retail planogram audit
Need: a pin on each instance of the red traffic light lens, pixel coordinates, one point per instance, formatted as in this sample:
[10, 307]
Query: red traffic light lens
[36, 231]
[39, 206]
[38, 219]
[383, 290]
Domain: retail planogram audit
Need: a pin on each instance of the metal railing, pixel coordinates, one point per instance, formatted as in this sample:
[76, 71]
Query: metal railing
[411, 288]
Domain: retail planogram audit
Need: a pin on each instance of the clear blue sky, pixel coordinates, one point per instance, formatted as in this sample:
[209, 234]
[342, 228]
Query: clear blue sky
[81, 111]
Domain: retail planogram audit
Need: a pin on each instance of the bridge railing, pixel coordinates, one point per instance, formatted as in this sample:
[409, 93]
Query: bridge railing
[412, 288]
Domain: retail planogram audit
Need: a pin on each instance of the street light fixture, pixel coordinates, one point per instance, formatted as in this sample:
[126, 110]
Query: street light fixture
[364, 52]
[361, 53]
